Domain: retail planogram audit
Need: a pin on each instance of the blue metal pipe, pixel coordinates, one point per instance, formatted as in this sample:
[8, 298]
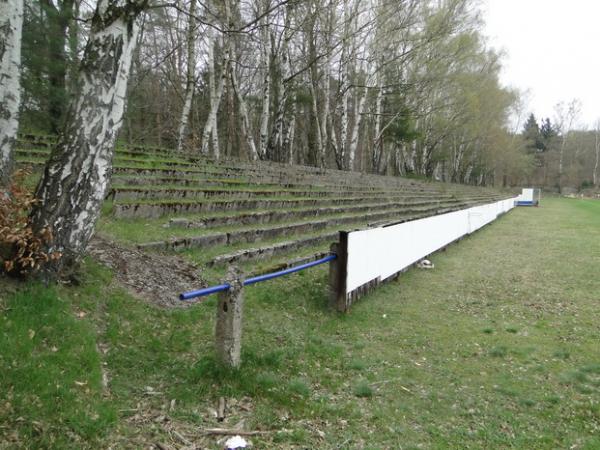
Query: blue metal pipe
[270, 276]
[202, 292]
[258, 279]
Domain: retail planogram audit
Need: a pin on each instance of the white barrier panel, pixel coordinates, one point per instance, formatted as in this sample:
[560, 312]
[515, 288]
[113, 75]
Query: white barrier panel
[526, 196]
[379, 253]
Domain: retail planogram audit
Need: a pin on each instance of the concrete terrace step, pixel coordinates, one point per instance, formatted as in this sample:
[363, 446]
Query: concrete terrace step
[272, 170]
[269, 251]
[133, 178]
[159, 209]
[432, 189]
[318, 240]
[124, 194]
[153, 181]
[157, 182]
[251, 235]
[257, 234]
[259, 176]
[44, 151]
[269, 217]
[29, 140]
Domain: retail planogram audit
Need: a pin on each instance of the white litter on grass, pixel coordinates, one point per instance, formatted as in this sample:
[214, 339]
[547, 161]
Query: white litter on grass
[235, 442]
[425, 264]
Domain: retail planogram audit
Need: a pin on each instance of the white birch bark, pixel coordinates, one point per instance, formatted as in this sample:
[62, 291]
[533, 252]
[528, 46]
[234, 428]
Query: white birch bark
[325, 116]
[190, 77]
[74, 182]
[216, 88]
[437, 172]
[377, 142]
[597, 147]
[11, 25]
[246, 130]
[276, 142]
[212, 89]
[468, 172]
[343, 120]
[288, 142]
[563, 144]
[457, 161]
[345, 90]
[318, 133]
[216, 94]
[398, 157]
[358, 113]
[266, 88]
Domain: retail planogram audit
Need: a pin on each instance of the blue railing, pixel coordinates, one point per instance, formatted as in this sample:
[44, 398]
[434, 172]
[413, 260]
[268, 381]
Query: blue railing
[258, 279]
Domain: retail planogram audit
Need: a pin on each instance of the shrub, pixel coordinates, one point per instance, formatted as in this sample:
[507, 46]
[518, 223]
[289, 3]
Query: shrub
[22, 250]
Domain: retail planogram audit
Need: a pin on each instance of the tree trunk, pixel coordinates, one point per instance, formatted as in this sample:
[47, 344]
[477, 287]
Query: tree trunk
[285, 69]
[190, 77]
[288, 142]
[234, 52]
[266, 89]
[212, 90]
[11, 25]
[358, 113]
[378, 141]
[344, 67]
[341, 157]
[561, 156]
[216, 88]
[246, 132]
[595, 175]
[320, 154]
[73, 186]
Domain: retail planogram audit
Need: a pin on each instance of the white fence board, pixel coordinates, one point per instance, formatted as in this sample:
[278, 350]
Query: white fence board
[379, 253]
[526, 195]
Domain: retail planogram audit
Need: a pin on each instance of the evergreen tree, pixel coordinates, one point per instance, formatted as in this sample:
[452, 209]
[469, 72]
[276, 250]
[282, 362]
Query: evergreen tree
[548, 134]
[532, 135]
[49, 57]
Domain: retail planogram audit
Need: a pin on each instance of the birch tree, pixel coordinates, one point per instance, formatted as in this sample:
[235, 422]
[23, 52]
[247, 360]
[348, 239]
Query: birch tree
[266, 87]
[596, 152]
[283, 70]
[566, 115]
[353, 84]
[74, 182]
[246, 127]
[11, 23]
[190, 81]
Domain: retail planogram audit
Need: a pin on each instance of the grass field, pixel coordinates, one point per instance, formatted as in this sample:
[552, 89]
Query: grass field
[497, 347]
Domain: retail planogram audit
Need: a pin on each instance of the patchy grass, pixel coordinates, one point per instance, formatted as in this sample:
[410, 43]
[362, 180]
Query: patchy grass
[495, 348]
[50, 380]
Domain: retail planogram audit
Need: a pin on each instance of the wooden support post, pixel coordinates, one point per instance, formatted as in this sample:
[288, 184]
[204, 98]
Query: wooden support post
[334, 267]
[337, 274]
[228, 332]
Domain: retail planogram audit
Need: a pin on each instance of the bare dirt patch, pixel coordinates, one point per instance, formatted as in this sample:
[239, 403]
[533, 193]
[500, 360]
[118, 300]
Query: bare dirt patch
[152, 277]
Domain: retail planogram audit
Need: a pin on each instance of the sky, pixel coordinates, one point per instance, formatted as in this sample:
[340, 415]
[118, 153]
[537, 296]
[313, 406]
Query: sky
[552, 51]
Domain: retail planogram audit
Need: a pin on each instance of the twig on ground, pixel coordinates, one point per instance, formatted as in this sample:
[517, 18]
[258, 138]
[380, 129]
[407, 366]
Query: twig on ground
[221, 410]
[182, 438]
[228, 432]
[377, 383]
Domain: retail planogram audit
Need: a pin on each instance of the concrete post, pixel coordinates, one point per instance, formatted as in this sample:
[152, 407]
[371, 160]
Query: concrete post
[228, 332]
